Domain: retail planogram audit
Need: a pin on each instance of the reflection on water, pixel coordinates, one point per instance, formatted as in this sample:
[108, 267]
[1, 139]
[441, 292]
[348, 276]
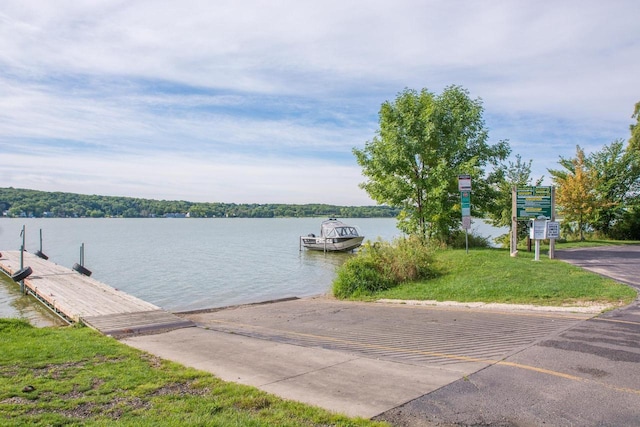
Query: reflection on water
[326, 259]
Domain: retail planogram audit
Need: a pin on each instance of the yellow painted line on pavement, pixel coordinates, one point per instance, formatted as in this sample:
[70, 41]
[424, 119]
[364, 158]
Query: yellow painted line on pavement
[628, 322]
[541, 370]
[506, 311]
[568, 377]
[443, 355]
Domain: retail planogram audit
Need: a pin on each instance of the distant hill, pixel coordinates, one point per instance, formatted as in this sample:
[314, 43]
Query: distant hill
[17, 202]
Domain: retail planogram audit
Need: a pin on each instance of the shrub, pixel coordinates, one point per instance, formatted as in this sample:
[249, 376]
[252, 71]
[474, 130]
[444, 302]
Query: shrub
[628, 228]
[457, 240]
[381, 265]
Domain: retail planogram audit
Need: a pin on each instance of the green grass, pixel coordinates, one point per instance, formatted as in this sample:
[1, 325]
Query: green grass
[491, 275]
[81, 378]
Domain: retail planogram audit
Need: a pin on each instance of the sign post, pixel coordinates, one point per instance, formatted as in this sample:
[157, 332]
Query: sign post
[465, 203]
[464, 182]
[556, 227]
[464, 186]
[532, 203]
[538, 232]
[513, 237]
[23, 235]
[465, 206]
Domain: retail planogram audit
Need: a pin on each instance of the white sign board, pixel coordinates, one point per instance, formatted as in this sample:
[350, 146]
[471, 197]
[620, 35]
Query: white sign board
[464, 182]
[553, 230]
[466, 222]
[538, 229]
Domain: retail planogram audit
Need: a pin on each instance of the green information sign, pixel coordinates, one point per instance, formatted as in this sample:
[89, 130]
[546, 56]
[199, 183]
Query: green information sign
[533, 202]
[465, 203]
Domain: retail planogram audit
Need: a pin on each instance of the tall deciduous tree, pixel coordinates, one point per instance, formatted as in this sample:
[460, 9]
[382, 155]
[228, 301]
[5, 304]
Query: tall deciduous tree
[634, 141]
[576, 195]
[618, 184]
[423, 143]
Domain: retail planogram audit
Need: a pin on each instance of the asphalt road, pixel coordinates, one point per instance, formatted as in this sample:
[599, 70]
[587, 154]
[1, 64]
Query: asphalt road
[587, 375]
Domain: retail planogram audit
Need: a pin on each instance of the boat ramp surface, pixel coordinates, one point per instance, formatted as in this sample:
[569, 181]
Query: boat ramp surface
[79, 298]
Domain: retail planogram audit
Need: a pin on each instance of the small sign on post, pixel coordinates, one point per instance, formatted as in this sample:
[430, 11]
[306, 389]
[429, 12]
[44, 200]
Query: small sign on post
[464, 182]
[466, 222]
[464, 186]
[538, 232]
[538, 229]
[465, 203]
[553, 230]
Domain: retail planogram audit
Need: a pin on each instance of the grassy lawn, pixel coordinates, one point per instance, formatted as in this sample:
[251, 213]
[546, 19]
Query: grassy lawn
[491, 275]
[81, 378]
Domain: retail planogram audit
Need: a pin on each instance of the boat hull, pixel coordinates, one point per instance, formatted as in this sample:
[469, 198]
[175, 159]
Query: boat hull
[330, 244]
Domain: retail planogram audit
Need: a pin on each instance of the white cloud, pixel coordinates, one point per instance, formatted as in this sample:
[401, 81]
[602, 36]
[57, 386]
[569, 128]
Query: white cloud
[281, 91]
[199, 179]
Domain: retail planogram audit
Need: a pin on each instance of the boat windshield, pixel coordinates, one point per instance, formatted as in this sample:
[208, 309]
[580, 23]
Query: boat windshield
[341, 232]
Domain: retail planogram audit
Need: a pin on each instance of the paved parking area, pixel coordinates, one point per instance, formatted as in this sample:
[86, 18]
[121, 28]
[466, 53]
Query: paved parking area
[621, 263]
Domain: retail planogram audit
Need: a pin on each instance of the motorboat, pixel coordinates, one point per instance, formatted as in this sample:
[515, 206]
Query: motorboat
[334, 236]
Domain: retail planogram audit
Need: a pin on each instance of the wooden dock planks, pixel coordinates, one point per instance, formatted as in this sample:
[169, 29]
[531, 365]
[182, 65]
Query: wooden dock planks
[81, 298]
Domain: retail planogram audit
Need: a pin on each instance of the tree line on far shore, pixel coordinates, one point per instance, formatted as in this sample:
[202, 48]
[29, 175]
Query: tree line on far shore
[16, 202]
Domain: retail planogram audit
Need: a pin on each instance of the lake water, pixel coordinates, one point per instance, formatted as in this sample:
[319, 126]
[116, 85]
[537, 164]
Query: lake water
[188, 264]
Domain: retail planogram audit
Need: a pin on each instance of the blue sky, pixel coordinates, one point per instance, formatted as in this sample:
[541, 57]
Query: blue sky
[263, 101]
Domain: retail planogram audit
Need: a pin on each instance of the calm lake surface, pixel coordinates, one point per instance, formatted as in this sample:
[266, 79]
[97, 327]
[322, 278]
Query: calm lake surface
[188, 264]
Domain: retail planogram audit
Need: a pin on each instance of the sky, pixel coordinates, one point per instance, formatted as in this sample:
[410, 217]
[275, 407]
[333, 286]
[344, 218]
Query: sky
[263, 101]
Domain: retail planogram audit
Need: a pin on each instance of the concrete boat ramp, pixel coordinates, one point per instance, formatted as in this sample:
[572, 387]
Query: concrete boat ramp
[79, 298]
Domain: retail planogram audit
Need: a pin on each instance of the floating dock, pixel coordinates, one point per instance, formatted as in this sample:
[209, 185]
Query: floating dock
[80, 299]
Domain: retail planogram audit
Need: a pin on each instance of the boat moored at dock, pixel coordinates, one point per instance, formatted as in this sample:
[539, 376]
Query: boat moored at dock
[334, 236]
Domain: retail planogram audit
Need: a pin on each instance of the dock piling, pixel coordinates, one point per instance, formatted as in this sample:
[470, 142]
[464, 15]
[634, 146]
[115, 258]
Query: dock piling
[23, 235]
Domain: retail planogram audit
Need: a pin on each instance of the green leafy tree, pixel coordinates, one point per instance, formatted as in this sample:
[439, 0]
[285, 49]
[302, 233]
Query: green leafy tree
[618, 184]
[514, 174]
[423, 143]
[576, 196]
[634, 141]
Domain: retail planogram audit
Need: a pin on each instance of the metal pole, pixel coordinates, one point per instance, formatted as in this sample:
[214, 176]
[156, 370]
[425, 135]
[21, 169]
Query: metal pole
[513, 242]
[466, 239]
[22, 233]
[41, 240]
[552, 242]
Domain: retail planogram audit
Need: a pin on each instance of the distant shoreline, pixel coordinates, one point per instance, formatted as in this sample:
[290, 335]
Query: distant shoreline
[24, 203]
